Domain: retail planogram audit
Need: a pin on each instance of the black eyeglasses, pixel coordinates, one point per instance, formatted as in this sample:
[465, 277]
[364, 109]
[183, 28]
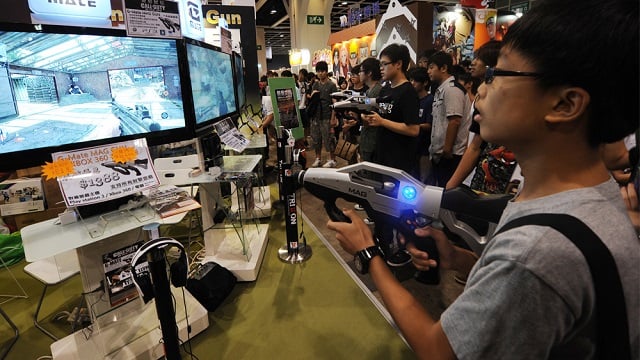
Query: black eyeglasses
[385, 63]
[491, 73]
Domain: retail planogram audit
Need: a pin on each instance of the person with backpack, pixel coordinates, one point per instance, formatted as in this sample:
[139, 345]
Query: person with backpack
[536, 290]
[451, 119]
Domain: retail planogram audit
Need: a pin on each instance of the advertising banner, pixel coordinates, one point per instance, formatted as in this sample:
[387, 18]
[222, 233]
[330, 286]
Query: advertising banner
[152, 18]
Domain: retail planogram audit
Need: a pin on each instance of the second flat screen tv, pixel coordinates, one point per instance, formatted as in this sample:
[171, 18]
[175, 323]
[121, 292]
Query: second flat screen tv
[239, 74]
[212, 84]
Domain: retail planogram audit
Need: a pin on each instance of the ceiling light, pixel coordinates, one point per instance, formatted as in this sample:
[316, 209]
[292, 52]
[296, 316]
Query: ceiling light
[281, 35]
[273, 11]
[344, 3]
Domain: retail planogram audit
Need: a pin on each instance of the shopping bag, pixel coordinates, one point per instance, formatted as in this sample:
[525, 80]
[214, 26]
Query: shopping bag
[346, 150]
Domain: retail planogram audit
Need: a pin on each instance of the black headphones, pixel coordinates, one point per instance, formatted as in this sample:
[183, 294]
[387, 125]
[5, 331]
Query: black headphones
[178, 270]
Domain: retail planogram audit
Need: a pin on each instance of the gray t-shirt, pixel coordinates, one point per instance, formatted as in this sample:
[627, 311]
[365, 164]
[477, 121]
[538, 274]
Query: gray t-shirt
[368, 134]
[531, 295]
[326, 89]
[449, 100]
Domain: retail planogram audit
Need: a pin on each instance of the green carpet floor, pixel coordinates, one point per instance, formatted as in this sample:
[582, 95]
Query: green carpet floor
[313, 310]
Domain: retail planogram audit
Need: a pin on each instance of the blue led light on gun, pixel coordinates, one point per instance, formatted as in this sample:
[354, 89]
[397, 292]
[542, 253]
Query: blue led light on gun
[409, 192]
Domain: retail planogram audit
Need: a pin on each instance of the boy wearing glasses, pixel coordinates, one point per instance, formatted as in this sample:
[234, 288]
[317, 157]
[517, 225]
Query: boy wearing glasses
[530, 295]
[397, 131]
[494, 165]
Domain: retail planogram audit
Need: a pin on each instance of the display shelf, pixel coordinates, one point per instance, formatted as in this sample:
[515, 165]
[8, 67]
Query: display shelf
[97, 225]
[257, 142]
[130, 334]
[262, 203]
[222, 246]
[47, 238]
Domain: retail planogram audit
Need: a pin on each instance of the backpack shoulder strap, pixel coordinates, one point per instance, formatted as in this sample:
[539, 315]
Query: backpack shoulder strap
[611, 311]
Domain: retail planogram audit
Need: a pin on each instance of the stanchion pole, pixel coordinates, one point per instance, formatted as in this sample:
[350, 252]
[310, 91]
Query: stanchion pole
[294, 251]
[281, 141]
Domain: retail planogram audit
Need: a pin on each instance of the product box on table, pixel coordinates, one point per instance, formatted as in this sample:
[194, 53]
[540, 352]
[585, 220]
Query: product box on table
[20, 196]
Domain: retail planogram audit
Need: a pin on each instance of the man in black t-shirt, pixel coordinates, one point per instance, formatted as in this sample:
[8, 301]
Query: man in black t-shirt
[398, 129]
[397, 117]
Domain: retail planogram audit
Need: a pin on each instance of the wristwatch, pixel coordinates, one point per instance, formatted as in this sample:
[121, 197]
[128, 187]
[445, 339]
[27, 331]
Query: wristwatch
[363, 257]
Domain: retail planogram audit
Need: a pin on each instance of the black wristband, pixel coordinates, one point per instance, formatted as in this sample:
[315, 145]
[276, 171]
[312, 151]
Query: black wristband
[633, 156]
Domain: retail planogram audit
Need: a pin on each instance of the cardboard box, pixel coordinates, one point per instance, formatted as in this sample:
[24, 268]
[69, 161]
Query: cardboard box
[22, 220]
[29, 172]
[52, 193]
[20, 196]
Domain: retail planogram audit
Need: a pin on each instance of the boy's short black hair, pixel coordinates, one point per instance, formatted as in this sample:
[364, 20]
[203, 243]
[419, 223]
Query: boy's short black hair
[371, 66]
[577, 58]
[457, 70]
[427, 54]
[322, 66]
[489, 52]
[286, 73]
[466, 78]
[355, 70]
[418, 74]
[398, 52]
[442, 59]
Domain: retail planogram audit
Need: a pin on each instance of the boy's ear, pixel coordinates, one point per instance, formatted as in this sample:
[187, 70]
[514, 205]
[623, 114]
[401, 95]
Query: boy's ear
[570, 104]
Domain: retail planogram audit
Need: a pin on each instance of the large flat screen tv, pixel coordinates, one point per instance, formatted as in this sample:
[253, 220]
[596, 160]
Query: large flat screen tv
[238, 71]
[211, 84]
[64, 88]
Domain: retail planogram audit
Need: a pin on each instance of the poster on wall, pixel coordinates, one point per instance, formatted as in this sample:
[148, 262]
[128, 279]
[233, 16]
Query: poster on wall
[348, 54]
[453, 32]
[321, 55]
[485, 29]
[502, 25]
[152, 18]
[284, 98]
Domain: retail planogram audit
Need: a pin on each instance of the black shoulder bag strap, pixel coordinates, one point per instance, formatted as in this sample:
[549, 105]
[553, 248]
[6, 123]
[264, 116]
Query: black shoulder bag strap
[611, 311]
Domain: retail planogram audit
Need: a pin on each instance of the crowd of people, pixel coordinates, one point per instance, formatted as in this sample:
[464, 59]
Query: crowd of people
[536, 118]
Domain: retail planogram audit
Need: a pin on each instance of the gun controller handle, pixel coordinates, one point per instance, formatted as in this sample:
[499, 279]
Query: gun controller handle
[334, 213]
[407, 225]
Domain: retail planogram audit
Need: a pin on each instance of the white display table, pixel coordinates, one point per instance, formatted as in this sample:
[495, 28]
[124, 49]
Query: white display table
[240, 247]
[123, 332]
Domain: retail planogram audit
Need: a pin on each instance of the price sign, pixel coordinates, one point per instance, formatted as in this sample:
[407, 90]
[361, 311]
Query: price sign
[102, 173]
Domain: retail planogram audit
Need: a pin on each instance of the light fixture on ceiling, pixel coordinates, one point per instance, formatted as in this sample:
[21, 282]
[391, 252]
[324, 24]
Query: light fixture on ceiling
[273, 11]
[344, 3]
[281, 35]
